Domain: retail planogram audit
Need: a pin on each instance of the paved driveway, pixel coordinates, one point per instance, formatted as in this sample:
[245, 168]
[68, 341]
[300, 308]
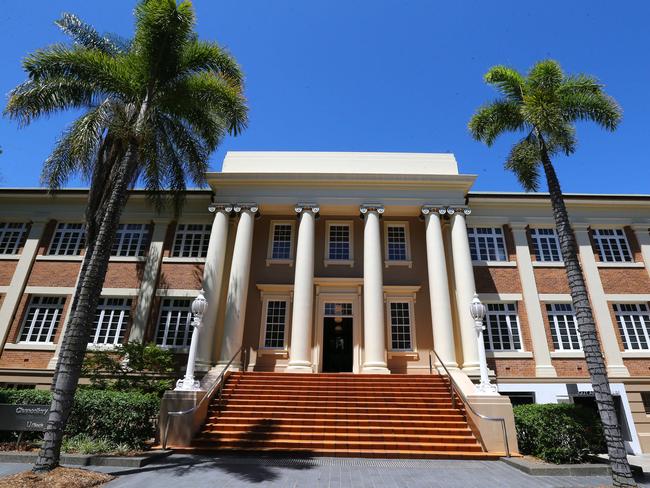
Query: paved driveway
[232, 472]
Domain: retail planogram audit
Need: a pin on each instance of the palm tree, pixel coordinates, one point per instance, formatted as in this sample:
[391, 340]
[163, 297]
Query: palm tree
[544, 105]
[154, 109]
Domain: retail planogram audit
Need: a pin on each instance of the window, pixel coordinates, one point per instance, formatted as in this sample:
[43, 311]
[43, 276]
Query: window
[400, 326]
[174, 323]
[564, 327]
[281, 245]
[131, 240]
[546, 245]
[520, 397]
[68, 239]
[12, 236]
[191, 240]
[275, 323]
[645, 398]
[612, 245]
[339, 241]
[486, 243]
[111, 321]
[633, 320]
[397, 242]
[502, 327]
[338, 310]
[42, 319]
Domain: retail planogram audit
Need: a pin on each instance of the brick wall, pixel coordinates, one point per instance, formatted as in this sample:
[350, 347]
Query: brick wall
[54, 273]
[497, 279]
[7, 269]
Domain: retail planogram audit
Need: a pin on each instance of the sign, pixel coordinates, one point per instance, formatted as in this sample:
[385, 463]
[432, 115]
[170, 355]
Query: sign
[23, 417]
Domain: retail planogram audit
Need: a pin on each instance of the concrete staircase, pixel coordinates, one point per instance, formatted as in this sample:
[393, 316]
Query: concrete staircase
[397, 416]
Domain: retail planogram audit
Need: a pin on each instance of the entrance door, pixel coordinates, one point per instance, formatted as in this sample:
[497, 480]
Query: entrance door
[337, 345]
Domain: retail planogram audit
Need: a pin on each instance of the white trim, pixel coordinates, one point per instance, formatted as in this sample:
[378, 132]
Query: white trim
[327, 259]
[56, 257]
[509, 354]
[140, 234]
[120, 292]
[567, 354]
[279, 297]
[184, 235]
[616, 242]
[409, 299]
[292, 242]
[555, 297]
[631, 330]
[173, 259]
[117, 315]
[553, 244]
[487, 334]
[619, 264]
[30, 346]
[127, 259]
[571, 325]
[20, 238]
[275, 288]
[76, 239]
[407, 243]
[176, 293]
[628, 297]
[548, 264]
[498, 240]
[495, 264]
[10, 257]
[4, 289]
[501, 297]
[176, 314]
[49, 290]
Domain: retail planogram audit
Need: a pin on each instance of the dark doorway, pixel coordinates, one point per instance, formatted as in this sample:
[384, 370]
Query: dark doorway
[337, 345]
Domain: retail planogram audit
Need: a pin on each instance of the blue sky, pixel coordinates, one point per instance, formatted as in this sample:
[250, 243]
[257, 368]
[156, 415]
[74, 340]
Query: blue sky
[380, 75]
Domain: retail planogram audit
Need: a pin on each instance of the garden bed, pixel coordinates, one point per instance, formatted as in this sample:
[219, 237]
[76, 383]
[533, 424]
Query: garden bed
[57, 478]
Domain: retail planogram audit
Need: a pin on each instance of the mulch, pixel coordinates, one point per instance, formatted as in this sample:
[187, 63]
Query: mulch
[57, 478]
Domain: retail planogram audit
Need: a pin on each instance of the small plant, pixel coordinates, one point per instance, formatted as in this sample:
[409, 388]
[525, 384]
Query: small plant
[559, 433]
[131, 367]
[85, 444]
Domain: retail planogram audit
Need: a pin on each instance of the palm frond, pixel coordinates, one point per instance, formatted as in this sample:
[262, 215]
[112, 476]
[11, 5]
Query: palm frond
[85, 35]
[508, 81]
[523, 160]
[199, 56]
[494, 119]
[545, 75]
[591, 106]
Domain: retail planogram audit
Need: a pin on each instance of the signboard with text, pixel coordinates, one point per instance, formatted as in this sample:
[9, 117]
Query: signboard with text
[23, 417]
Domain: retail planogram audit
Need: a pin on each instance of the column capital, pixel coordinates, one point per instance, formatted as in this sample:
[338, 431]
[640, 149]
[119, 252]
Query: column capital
[445, 209]
[220, 207]
[243, 207]
[371, 207]
[306, 207]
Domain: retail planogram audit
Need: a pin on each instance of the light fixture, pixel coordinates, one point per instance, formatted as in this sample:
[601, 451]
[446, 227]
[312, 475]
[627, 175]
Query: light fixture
[477, 309]
[199, 304]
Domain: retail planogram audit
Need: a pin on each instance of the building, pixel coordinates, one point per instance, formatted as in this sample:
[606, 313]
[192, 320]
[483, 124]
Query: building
[399, 245]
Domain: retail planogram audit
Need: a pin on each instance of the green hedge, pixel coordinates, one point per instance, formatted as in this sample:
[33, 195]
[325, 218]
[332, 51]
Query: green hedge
[559, 433]
[119, 417]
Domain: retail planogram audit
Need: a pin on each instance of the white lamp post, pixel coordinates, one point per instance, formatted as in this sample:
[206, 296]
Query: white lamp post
[199, 306]
[478, 311]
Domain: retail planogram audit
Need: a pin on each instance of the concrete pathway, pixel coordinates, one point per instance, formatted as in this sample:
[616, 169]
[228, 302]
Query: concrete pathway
[233, 472]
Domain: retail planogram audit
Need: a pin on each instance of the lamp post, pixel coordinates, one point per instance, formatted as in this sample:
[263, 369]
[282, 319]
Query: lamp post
[478, 311]
[199, 306]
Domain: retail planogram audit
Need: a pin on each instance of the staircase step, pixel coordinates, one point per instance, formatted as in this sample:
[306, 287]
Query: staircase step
[338, 422]
[231, 425]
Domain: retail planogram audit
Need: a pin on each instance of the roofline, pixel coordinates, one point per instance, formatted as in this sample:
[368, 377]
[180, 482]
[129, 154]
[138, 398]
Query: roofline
[83, 191]
[567, 196]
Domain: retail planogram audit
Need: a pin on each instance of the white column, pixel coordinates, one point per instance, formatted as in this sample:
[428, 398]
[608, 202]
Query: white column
[643, 238]
[543, 364]
[599, 306]
[465, 287]
[233, 333]
[441, 316]
[149, 281]
[374, 328]
[303, 293]
[19, 279]
[213, 280]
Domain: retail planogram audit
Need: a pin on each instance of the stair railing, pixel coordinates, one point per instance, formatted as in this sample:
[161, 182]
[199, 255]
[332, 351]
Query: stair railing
[453, 387]
[215, 387]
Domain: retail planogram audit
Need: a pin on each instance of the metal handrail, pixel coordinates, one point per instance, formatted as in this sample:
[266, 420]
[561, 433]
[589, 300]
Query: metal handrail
[217, 383]
[453, 386]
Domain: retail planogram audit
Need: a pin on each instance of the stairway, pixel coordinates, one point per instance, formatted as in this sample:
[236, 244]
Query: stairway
[397, 416]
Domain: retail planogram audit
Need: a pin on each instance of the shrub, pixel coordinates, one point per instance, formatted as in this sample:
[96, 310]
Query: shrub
[558, 433]
[133, 366]
[119, 417]
[84, 444]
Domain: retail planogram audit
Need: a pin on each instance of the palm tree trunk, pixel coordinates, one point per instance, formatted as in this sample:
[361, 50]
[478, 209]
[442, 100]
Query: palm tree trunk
[75, 339]
[621, 472]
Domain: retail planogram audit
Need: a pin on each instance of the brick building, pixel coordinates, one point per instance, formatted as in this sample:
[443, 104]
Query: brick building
[399, 245]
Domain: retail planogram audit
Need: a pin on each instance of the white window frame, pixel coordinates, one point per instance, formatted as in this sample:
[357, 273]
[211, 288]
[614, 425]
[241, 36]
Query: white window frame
[122, 246]
[410, 301]
[269, 253]
[176, 316]
[634, 323]
[328, 260]
[38, 323]
[182, 232]
[497, 239]
[12, 237]
[488, 334]
[407, 238]
[78, 232]
[105, 315]
[557, 327]
[275, 297]
[544, 244]
[616, 241]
